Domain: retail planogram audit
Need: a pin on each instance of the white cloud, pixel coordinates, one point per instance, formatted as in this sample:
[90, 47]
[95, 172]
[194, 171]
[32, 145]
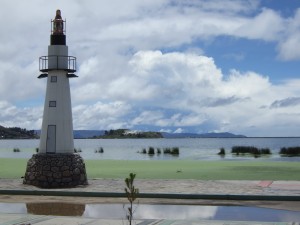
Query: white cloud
[127, 77]
[268, 26]
[25, 117]
[101, 115]
[288, 46]
[178, 131]
[199, 94]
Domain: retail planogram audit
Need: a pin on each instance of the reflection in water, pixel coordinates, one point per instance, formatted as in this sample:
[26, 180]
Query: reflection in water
[111, 211]
[181, 212]
[176, 212]
[117, 211]
[13, 208]
[55, 208]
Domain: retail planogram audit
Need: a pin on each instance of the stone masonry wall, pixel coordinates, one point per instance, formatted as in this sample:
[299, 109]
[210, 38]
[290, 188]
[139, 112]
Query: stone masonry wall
[55, 171]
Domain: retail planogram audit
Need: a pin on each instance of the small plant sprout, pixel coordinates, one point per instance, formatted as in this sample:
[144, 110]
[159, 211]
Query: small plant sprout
[131, 194]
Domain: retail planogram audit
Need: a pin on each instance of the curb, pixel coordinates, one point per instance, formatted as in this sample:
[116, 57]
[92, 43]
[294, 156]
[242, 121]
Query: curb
[153, 195]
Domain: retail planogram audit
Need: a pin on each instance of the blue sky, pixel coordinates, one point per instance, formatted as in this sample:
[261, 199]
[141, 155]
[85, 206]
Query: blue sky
[164, 65]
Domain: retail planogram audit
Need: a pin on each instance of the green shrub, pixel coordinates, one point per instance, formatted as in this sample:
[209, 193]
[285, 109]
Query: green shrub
[158, 151]
[16, 150]
[172, 151]
[250, 150]
[222, 151]
[77, 150]
[144, 151]
[151, 151]
[167, 150]
[99, 150]
[265, 151]
[290, 151]
[175, 151]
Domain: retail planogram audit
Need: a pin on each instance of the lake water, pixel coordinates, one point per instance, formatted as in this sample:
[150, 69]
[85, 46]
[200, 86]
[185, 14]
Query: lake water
[142, 211]
[190, 148]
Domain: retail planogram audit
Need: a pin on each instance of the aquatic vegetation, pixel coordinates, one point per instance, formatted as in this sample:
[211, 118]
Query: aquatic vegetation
[222, 151]
[175, 151]
[99, 150]
[158, 151]
[16, 150]
[151, 151]
[250, 150]
[77, 150]
[290, 151]
[172, 151]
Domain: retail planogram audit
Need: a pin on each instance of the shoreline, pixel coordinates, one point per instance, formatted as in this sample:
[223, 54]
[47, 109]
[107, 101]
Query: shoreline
[177, 187]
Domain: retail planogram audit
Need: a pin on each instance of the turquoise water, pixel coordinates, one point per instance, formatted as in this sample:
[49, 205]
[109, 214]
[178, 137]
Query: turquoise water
[190, 148]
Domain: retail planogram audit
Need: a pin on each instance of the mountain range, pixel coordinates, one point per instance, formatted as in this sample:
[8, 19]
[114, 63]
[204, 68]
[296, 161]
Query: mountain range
[96, 133]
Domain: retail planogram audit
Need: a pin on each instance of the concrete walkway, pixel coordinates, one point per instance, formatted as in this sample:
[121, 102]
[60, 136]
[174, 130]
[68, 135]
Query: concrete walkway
[56, 220]
[220, 187]
[179, 190]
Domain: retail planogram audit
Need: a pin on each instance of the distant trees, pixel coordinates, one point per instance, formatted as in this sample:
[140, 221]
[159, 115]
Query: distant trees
[126, 133]
[16, 133]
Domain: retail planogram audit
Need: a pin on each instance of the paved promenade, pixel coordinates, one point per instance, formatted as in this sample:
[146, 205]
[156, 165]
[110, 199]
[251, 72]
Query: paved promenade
[179, 190]
[220, 187]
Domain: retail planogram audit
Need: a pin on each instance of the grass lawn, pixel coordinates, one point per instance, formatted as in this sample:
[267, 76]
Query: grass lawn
[174, 169]
[202, 170]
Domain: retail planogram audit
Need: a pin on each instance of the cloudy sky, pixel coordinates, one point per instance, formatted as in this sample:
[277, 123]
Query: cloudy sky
[163, 65]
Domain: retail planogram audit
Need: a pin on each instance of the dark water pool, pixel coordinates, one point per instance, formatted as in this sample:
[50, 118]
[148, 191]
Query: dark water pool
[143, 211]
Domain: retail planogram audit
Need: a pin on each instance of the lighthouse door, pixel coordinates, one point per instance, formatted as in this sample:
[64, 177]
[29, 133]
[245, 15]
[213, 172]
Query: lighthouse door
[51, 139]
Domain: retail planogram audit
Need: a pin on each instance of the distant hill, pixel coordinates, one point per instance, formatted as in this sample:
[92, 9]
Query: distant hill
[205, 135]
[16, 133]
[82, 134]
[87, 133]
[125, 133]
[132, 134]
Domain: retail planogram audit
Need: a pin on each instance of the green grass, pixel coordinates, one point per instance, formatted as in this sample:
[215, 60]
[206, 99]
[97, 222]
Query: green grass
[202, 170]
[174, 169]
[12, 168]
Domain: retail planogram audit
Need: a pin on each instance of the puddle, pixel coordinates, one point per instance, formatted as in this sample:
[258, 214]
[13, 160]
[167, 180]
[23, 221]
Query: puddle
[143, 211]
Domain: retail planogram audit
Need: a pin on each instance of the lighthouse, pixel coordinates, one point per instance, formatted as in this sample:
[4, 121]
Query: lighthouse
[57, 67]
[55, 164]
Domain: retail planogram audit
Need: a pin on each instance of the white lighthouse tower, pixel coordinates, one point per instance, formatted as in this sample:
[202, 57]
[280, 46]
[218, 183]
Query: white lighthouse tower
[56, 165]
[58, 67]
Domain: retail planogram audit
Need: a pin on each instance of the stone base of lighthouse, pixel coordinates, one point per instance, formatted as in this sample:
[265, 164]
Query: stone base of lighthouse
[55, 170]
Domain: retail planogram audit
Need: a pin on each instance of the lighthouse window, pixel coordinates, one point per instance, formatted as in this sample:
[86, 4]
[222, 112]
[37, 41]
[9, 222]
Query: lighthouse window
[53, 79]
[52, 103]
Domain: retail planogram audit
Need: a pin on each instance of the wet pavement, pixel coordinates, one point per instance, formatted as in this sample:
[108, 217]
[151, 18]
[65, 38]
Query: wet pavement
[180, 189]
[56, 220]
